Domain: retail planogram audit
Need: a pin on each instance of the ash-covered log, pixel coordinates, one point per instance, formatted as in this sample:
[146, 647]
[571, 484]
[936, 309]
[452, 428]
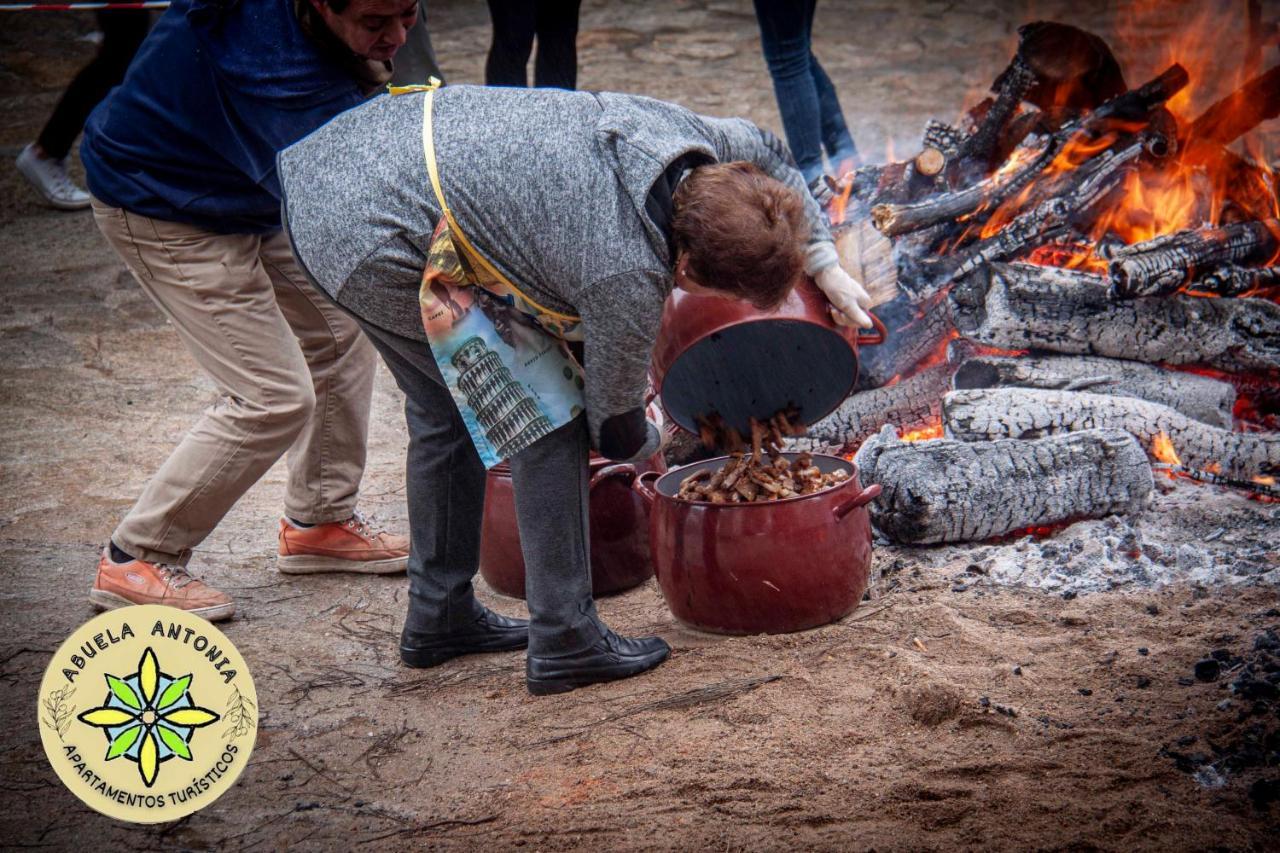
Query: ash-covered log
[1199, 397]
[974, 154]
[912, 404]
[1024, 306]
[952, 491]
[1163, 265]
[982, 415]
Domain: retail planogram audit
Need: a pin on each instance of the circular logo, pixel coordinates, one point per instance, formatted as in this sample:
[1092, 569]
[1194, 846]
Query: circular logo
[148, 713]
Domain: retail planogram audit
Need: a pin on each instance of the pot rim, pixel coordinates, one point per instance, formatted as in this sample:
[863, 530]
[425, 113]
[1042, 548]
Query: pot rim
[852, 478]
[848, 334]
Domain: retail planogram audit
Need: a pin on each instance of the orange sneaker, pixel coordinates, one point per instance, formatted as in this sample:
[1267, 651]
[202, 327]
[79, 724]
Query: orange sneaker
[354, 545]
[139, 582]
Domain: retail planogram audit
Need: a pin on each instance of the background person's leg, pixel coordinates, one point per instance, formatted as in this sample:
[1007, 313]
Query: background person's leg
[220, 301]
[836, 139]
[444, 488]
[326, 462]
[122, 33]
[550, 482]
[556, 65]
[513, 28]
[784, 39]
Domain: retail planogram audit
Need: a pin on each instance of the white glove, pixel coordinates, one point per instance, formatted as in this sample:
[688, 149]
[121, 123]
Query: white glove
[848, 298]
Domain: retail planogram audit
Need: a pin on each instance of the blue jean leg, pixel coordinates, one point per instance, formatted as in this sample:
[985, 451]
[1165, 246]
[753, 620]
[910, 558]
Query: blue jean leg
[835, 133]
[784, 39]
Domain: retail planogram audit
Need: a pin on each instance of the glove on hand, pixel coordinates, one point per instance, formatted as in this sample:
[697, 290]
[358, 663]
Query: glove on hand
[848, 298]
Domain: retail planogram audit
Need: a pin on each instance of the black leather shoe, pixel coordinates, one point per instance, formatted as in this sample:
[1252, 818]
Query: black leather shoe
[612, 657]
[490, 632]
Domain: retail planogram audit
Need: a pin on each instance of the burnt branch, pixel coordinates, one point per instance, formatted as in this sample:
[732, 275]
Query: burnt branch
[1235, 280]
[1238, 113]
[1029, 413]
[952, 491]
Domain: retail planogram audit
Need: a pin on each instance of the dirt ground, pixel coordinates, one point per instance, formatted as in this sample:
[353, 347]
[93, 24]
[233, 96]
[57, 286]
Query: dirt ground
[932, 718]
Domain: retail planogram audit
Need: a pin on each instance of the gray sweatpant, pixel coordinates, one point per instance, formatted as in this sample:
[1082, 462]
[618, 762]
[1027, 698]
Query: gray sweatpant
[445, 488]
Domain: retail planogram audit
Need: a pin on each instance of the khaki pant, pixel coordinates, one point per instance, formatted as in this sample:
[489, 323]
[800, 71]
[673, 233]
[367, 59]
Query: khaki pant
[293, 373]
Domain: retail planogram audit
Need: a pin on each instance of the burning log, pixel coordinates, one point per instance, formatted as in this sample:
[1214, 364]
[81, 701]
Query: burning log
[1074, 68]
[1267, 490]
[1024, 306]
[1090, 184]
[1162, 266]
[1206, 400]
[921, 331]
[1239, 112]
[982, 415]
[895, 219]
[915, 403]
[952, 491]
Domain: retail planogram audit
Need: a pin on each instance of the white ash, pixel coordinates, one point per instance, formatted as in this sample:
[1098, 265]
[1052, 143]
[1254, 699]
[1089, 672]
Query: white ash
[1190, 534]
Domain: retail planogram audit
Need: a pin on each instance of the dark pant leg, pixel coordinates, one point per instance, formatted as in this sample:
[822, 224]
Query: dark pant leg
[784, 38]
[513, 28]
[836, 138]
[122, 33]
[550, 480]
[557, 26]
[444, 486]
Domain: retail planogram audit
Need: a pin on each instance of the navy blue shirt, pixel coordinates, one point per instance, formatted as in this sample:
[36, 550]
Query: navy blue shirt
[218, 87]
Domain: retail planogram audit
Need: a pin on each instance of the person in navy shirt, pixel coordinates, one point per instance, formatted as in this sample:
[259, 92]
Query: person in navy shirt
[180, 161]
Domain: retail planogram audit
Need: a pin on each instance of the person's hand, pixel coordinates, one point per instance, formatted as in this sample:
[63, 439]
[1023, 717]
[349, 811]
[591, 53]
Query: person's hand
[849, 300]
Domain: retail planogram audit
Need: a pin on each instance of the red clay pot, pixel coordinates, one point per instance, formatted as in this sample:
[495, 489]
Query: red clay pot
[724, 356]
[770, 567]
[619, 529]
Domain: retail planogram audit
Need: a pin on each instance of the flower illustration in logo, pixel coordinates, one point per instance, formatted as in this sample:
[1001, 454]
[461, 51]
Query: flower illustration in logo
[148, 717]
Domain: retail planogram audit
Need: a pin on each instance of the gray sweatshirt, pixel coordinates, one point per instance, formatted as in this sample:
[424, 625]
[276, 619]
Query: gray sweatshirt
[549, 185]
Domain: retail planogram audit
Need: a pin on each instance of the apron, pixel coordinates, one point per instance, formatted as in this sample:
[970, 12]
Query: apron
[503, 356]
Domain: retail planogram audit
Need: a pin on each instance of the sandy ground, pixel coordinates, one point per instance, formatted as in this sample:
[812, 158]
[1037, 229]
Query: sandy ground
[940, 715]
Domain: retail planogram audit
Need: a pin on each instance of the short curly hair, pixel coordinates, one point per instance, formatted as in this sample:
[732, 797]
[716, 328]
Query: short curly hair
[743, 231]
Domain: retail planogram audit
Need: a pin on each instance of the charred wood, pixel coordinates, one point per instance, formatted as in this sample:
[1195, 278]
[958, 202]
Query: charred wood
[1023, 306]
[982, 415]
[1162, 266]
[1213, 479]
[976, 152]
[913, 403]
[952, 491]
[1235, 280]
[1199, 397]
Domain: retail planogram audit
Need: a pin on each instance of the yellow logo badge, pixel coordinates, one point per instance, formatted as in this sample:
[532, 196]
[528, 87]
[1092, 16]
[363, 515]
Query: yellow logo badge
[148, 713]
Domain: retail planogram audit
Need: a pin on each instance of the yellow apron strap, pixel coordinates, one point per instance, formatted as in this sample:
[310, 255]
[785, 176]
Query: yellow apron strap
[459, 236]
[431, 85]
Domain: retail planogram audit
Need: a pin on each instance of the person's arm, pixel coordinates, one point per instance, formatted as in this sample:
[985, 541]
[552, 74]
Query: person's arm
[621, 316]
[739, 139]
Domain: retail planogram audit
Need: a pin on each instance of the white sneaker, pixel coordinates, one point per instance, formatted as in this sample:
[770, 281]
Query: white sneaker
[50, 179]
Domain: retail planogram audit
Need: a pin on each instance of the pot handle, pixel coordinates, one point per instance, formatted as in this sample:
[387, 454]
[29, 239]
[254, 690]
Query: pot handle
[863, 498]
[881, 334]
[622, 469]
[643, 486]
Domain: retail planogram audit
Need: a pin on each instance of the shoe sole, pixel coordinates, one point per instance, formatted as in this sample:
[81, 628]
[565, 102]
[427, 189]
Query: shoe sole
[308, 564]
[104, 600]
[550, 687]
[427, 658]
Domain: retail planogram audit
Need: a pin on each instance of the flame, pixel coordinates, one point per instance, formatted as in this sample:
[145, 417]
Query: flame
[838, 204]
[1162, 449]
[922, 434]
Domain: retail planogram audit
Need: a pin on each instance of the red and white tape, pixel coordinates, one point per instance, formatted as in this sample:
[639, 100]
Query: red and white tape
[81, 7]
